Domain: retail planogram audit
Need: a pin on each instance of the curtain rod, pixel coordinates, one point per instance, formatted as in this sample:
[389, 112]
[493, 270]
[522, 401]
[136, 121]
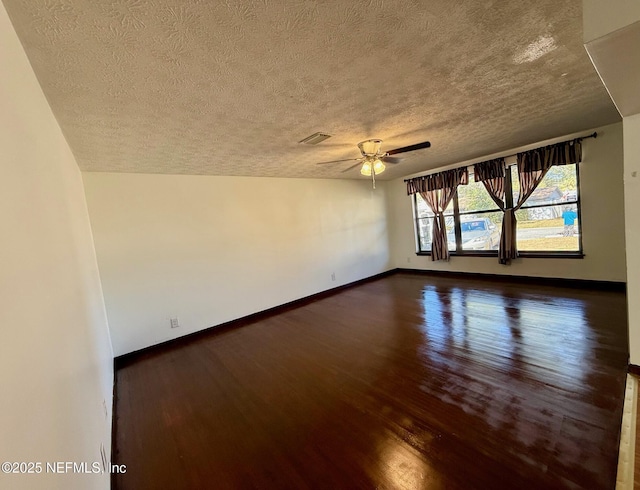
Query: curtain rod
[592, 135]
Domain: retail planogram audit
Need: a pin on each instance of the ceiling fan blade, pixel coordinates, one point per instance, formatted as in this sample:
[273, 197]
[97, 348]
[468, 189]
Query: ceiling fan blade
[351, 167]
[404, 149]
[338, 161]
[392, 160]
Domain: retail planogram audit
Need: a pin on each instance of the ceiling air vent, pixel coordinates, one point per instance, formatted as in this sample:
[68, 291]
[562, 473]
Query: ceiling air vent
[315, 138]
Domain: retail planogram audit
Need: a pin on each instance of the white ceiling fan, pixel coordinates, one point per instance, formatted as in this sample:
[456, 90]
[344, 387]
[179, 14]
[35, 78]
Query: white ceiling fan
[373, 159]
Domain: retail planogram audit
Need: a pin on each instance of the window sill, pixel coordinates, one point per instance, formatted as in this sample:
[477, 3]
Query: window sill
[464, 254]
[552, 255]
[521, 255]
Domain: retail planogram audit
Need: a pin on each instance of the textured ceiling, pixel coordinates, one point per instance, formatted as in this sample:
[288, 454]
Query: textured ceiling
[230, 87]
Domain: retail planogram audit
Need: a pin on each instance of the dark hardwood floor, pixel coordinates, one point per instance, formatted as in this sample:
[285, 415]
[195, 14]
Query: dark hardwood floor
[405, 382]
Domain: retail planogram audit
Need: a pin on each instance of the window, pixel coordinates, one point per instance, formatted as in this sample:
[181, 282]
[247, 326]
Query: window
[548, 222]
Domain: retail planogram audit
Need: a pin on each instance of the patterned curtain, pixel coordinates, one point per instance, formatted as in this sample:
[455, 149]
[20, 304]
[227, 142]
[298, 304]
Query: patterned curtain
[493, 175]
[437, 190]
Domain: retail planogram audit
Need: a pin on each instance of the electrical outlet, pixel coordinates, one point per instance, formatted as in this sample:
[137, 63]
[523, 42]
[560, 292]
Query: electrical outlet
[333, 276]
[174, 323]
[408, 260]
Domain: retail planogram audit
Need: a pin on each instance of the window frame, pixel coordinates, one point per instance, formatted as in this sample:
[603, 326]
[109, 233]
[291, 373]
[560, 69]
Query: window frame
[459, 252]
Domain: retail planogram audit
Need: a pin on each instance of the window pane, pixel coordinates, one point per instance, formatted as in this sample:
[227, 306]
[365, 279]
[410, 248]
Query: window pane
[549, 229]
[425, 225]
[423, 209]
[474, 197]
[424, 234]
[515, 183]
[558, 186]
[451, 233]
[481, 232]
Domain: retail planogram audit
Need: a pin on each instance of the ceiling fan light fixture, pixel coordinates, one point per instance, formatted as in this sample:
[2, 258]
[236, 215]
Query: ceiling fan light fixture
[370, 147]
[372, 159]
[377, 165]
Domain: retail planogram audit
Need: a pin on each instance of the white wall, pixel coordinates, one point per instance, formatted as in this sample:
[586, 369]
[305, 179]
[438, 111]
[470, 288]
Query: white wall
[602, 200]
[632, 206]
[602, 17]
[607, 19]
[212, 249]
[55, 354]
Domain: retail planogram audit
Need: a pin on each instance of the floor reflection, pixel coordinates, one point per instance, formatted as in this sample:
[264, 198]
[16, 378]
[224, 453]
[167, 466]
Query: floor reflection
[489, 327]
[404, 467]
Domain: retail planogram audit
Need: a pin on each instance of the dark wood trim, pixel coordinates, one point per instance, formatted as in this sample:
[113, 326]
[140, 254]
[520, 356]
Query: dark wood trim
[634, 369]
[113, 456]
[416, 222]
[508, 187]
[543, 281]
[579, 203]
[456, 222]
[126, 359]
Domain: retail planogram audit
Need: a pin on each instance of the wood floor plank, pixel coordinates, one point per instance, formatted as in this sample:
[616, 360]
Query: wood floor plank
[405, 382]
